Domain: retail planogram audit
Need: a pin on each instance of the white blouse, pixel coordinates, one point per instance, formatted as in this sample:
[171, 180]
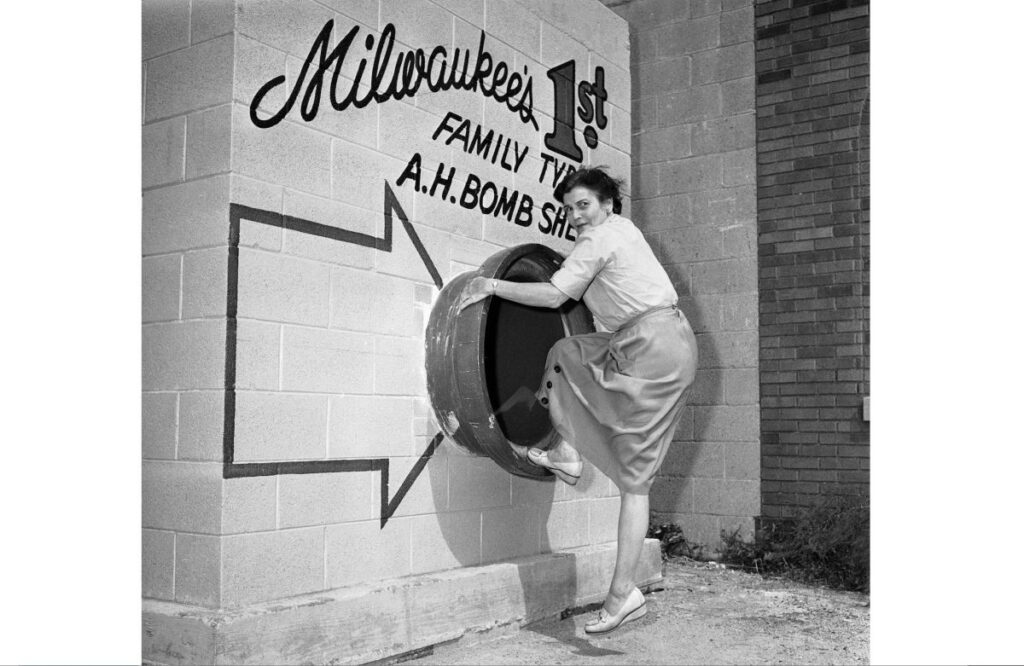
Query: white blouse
[616, 273]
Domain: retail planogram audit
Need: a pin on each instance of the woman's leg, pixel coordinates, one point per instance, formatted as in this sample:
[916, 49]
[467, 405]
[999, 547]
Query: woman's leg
[634, 515]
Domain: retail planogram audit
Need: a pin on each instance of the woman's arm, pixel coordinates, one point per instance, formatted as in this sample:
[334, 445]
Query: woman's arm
[538, 294]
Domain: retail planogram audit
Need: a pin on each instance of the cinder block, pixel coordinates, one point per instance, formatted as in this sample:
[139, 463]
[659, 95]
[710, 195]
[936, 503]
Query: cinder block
[567, 525]
[700, 458]
[163, 152]
[321, 499]
[186, 216]
[687, 244]
[440, 214]
[205, 283]
[686, 37]
[212, 18]
[620, 127]
[728, 349]
[726, 276]
[181, 496]
[652, 13]
[740, 241]
[255, 64]
[250, 504]
[689, 175]
[279, 426]
[427, 494]
[258, 355]
[288, 25]
[671, 496]
[333, 214]
[477, 482]
[262, 195]
[729, 497]
[728, 423]
[161, 288]
[326, 361]
[698, 528]
[165, 26]
[370, 427]
[510, 532]
[197, 569]
[364, 552]
[201, 426]
[738, 96]
[271, 565]
[288, 153]
[159, 425]
[190, 79]
[737, 26]
[724, 64]
[418, 23]
[445, 541]
[663, 144]
[739, 167]
[358, 174]
[742, 460]
[281, 288]
[183, 355]
[405, 131]
[531, 491]
[555, 48]
[208, 149]
[157, 564]
[514, 25]
[695, 104]
[465, 10]
[725, 134]
[662, 213]
[604, 519]
[364, 301]
[399, 367]
[602, 31]
[741, 386]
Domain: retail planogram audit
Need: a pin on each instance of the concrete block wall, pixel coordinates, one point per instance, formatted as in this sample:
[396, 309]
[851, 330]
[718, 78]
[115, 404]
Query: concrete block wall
[695, 198]
[328, 358]
[814, 233]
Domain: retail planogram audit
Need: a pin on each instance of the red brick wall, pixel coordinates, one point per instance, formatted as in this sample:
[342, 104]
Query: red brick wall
[813, 230]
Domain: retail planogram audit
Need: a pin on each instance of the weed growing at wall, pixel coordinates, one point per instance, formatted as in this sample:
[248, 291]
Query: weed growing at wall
[828, 544]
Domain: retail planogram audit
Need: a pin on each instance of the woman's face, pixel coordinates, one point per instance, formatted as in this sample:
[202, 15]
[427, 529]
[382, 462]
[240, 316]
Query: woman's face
[583, 207]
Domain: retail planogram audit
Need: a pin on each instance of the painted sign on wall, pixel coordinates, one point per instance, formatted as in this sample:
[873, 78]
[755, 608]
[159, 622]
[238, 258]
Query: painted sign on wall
[387, 75]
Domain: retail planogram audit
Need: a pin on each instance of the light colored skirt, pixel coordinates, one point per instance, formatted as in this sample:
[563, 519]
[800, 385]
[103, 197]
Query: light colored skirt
[618, 397]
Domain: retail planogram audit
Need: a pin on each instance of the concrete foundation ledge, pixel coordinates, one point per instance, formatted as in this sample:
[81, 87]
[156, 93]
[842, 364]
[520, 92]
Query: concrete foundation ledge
[364, 623]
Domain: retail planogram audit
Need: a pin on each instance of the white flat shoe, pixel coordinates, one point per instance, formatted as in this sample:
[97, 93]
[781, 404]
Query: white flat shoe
[569, 472]
[634, 609]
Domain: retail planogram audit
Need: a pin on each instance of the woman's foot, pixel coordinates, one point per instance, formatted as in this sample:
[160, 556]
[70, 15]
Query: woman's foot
[617, 611]
[562, 460]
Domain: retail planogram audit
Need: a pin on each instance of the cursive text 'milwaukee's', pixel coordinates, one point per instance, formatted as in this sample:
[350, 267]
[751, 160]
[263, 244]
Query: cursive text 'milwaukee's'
[408, 72]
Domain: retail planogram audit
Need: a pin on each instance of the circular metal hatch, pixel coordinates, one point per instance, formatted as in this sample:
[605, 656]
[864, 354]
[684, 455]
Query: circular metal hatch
[484, 364]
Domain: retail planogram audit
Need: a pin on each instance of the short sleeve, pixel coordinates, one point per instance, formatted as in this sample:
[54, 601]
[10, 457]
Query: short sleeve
[584, 262]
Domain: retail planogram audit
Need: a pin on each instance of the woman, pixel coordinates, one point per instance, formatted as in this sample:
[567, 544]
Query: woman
[616, 395]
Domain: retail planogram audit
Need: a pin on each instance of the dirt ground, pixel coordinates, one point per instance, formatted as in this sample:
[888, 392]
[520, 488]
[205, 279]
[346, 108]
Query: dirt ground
[702, 613]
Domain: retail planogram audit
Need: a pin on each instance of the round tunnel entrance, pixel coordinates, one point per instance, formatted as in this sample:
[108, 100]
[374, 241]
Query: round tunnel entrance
[484, 364]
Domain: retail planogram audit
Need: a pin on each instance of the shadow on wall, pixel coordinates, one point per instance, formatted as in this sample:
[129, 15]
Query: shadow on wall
[672, 492]
[504, 532]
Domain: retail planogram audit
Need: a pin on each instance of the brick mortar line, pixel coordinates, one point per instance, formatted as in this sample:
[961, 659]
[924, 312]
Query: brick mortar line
[198, 109]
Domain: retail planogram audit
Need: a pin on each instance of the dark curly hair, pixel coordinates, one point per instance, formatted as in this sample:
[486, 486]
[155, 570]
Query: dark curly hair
[596, 179]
